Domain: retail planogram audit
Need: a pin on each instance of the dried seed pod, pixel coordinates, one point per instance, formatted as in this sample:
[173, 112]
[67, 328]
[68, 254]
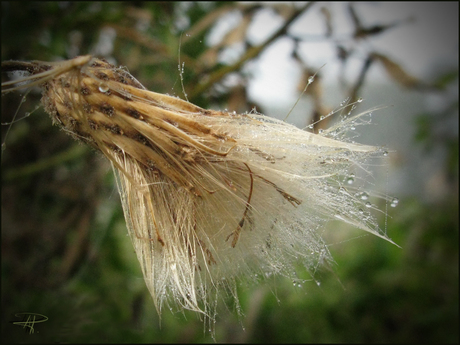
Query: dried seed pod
[208, 196]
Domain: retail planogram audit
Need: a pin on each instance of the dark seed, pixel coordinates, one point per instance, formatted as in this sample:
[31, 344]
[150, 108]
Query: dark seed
[102, 75]
[133, 113]
[107, 109]
[85, 91]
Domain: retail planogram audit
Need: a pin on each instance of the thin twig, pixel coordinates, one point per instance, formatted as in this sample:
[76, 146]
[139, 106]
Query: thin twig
[250, 54]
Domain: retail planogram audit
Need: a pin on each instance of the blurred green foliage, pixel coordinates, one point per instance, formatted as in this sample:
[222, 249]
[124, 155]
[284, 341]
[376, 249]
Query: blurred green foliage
[65, 250]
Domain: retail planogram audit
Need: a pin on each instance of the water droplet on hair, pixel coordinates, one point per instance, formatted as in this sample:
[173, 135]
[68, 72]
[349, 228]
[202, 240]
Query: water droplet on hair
[364, 196]
[350, 180]
[103, 87]
[394, 202]
[360, 99]
[344, 101]
[368, 204]
[385, 153]
[311, 79]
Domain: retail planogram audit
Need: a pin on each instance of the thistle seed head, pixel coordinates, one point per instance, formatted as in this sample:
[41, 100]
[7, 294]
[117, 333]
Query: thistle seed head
[208, 196]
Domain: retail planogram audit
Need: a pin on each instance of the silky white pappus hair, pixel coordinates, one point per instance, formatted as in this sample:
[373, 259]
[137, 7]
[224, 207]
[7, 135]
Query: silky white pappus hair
[209, 197]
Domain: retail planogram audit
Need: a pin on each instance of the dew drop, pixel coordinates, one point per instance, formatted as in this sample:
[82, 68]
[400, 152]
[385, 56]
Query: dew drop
[385, 153]
[368, 204]
[394, 202]
[311, 79]
[103, 87]
[320, 131]
[344, 101]
[322, 117]
[350, 180]
[364, 196]
[360, 99]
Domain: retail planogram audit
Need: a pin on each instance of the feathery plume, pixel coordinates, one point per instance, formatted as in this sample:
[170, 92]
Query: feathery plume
[208, 196]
